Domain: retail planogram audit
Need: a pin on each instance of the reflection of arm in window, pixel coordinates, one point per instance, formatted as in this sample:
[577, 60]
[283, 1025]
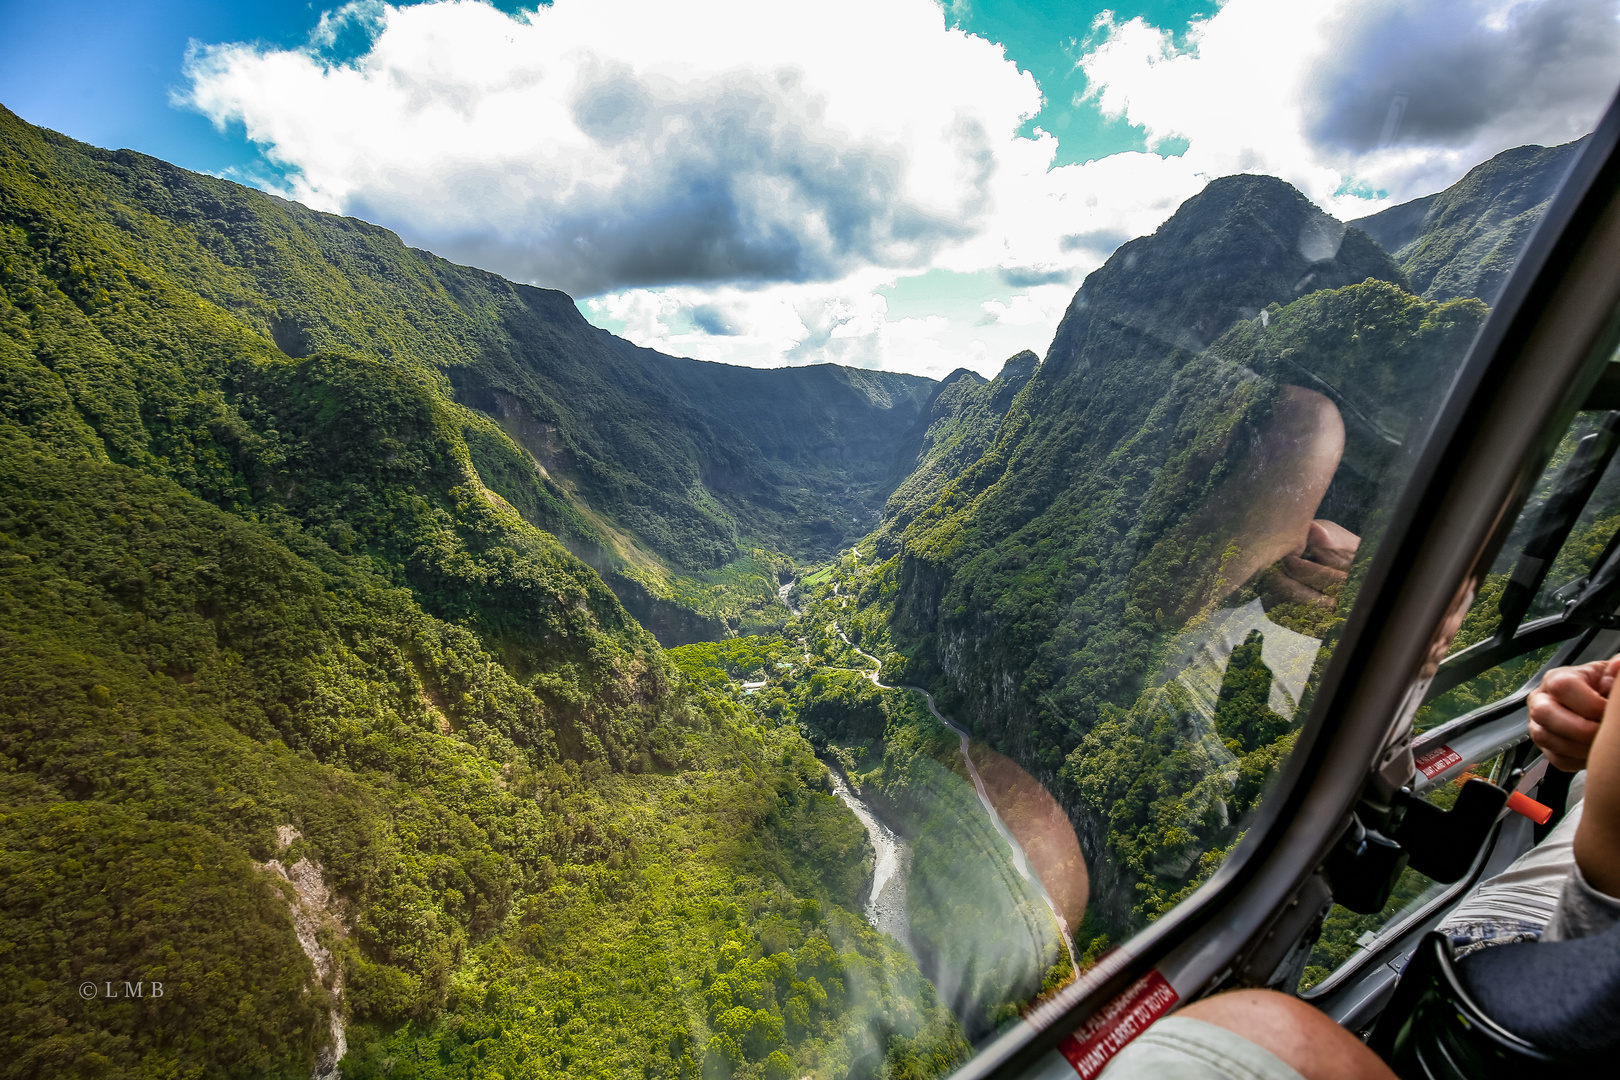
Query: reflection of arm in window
[1271, 501]
[1266, 507]
[1313, 575]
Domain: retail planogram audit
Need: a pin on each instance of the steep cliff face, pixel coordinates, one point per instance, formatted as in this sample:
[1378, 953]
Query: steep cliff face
[958, 426]
[694, 460]
[1041, 588]
[1027, 549]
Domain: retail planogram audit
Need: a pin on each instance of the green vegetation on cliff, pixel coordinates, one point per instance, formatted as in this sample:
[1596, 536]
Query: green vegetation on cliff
[303, 716]
[1044, 590]
[961, 423]
[1464, 240]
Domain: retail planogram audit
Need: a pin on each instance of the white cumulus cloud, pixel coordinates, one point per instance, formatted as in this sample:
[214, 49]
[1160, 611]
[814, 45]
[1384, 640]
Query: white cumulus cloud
[607, 143]
[1343, 98]
[745, 181]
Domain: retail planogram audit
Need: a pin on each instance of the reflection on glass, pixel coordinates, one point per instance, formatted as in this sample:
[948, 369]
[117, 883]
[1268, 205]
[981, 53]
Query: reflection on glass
[1568, 547]
[1262, 507]
[1278, 448]
[1594, 528]
[298, 627]
[1570, 544]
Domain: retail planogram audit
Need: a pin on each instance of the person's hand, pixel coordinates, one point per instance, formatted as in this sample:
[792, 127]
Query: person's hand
[1321, 566]
[1566, 709]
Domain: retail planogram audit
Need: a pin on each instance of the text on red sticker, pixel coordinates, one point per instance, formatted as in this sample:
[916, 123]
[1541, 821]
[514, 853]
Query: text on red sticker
[1094, 1043]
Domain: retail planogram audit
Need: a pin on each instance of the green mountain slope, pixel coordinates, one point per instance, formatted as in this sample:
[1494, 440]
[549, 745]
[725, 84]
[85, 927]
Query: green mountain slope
[305, 719]
[1463, 241]
[961, 423]
[661, 472]
[991, 562]
[1039, 591]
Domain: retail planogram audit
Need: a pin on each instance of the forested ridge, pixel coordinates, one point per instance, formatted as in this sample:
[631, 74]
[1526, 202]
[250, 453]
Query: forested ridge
[1041, 588]
[303, 716]
[689, 485]
[1463, 241]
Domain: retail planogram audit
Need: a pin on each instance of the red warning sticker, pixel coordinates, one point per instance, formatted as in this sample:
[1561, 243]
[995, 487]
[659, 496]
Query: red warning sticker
[1437, 761]
[1094, 1043]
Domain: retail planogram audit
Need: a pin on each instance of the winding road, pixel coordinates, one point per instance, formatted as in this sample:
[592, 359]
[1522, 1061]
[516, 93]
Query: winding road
[1020, 861]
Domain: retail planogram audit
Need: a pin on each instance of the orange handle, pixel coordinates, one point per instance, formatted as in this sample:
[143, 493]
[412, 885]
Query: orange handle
[1523, 804]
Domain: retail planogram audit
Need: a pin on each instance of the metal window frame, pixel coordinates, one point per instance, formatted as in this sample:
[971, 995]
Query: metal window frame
[1528, 371]
[1491, 729]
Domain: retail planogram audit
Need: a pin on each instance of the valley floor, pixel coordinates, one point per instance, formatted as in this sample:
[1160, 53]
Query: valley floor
[980, 921]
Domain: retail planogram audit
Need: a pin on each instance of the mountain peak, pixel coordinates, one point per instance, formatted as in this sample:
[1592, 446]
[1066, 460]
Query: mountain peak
[1241, 244]
[1020, 365]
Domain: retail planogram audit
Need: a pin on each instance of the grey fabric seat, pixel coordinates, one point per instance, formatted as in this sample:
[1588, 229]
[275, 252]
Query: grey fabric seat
[1528, 1010]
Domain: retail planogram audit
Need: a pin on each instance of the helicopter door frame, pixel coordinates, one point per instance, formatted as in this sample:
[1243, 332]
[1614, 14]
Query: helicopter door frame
[1535, 361]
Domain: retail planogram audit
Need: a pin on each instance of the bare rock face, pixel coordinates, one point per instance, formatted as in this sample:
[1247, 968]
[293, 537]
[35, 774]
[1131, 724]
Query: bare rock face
[315, 909]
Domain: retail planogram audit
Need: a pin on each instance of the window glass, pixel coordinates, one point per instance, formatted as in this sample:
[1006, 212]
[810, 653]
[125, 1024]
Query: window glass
[1594, 530]
[418, 673]
[1054, 727]
[1167, 632]
[1595, 520]
[1347, 935]
[1587, 529]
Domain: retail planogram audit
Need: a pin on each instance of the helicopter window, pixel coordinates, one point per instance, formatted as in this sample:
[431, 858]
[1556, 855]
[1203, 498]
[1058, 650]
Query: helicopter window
[1594, 530]
[1568, 526]
[1029, 714]
[1348, 936]
[1277, 453]
[1539, 591]
[1294, 447]
[1488, 686]
[1187, 629]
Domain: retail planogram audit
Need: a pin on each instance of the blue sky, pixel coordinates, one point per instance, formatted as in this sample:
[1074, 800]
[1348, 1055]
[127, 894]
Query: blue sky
[104, 72]
[893, 183]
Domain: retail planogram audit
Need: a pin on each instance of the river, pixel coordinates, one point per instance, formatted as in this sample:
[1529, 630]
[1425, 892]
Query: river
[896, 882]
[886, 904]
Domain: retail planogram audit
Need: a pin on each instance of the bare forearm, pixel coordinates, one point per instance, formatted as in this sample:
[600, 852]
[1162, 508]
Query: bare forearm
[1597, 839]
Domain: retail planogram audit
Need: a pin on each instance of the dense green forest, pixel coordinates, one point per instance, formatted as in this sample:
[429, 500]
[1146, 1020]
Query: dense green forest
[306, 719]
[330, 575]
[690, 486]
